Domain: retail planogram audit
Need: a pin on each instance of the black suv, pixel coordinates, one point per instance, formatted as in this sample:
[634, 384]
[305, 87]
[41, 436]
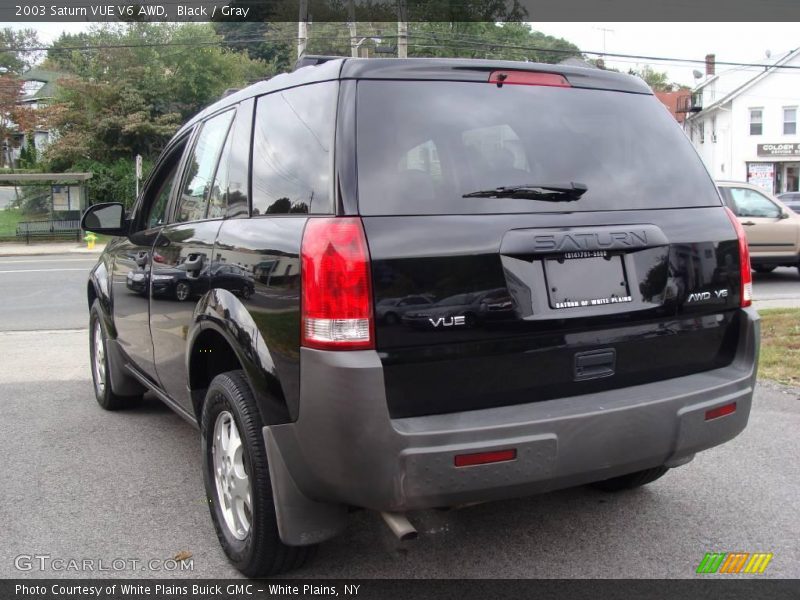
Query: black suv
[581, 296]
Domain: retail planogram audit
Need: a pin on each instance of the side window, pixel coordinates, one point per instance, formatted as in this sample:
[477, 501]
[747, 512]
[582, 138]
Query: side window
[199, 177]
[750, 203]
[218, 196]
[158, 209]
[292, 149]
[156, 196]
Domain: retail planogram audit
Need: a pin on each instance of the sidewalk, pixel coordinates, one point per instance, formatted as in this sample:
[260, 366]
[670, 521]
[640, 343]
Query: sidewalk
[40, 249]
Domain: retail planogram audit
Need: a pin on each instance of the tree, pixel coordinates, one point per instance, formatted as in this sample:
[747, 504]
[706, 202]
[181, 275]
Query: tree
[14, 117]
[657, 80]
[20, 59]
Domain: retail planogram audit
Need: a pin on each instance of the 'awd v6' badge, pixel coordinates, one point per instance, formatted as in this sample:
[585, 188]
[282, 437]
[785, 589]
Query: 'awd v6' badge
[703, 296]
[448, 321]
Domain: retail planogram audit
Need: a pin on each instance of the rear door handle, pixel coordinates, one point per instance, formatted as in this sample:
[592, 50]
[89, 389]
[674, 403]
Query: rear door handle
[748, 223]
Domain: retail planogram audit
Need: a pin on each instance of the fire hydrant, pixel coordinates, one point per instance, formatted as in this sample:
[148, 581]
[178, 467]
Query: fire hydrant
[90, 240]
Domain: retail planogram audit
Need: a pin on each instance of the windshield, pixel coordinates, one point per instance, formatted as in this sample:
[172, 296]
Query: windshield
[423, 145]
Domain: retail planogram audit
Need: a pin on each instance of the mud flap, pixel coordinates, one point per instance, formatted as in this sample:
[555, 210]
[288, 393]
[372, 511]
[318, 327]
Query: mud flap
[301, 521]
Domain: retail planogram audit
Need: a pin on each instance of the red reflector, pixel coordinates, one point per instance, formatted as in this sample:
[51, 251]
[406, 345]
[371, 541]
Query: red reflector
[482, 458]
[528, 78]
[745, 274]
[336, 291]
[721, 411]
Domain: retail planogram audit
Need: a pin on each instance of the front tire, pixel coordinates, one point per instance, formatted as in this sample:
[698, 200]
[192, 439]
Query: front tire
[100, 362]
[631, 480]
[236, 476]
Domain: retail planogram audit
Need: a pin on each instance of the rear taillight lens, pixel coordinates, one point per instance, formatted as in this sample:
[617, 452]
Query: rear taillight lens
[336, 291]
[745, 274]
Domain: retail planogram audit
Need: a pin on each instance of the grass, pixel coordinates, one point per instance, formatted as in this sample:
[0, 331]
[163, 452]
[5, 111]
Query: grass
[8, 221]
[780, 345]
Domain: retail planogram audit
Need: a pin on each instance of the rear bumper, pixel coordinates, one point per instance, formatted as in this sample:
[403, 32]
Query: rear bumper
[345, 449]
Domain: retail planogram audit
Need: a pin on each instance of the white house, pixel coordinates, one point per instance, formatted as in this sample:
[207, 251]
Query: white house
[743, 122]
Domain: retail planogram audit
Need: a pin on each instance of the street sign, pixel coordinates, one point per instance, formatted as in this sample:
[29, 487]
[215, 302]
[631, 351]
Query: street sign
[138, 166]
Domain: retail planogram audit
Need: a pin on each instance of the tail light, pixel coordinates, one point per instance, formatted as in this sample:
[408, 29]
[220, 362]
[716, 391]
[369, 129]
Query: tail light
[745, 274]
[336, 291]
[528, 78]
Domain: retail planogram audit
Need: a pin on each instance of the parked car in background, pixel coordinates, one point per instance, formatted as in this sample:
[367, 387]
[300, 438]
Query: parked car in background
[391, 310]
[772, 228]
[791, 199]
[593, 325]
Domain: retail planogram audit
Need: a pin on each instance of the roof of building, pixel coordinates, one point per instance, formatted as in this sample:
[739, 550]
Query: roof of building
[671, 101]
[768, 69]
[49, 78]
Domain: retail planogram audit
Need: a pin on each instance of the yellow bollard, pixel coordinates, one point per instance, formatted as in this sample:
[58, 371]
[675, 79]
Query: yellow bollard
[90, 240]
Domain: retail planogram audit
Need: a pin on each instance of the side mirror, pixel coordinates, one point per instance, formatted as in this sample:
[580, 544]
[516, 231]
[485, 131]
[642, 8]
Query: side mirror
[784, 215]
[107, 219]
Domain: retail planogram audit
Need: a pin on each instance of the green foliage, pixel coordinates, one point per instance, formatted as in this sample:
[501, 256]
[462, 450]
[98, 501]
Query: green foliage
[657, 80]
[506, 41]
[28, 154]
[130, 99]
[18, 62]
[113, 181]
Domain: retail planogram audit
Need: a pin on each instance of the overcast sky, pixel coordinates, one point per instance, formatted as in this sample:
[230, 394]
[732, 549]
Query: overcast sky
[734, 42]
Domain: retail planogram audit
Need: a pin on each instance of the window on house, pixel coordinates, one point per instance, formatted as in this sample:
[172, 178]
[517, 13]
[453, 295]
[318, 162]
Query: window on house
[713, 130]
[702, 128]
[756, 121]
[790, 120]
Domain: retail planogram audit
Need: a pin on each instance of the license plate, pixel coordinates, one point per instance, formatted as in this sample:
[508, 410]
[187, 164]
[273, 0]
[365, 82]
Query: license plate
[586, 281]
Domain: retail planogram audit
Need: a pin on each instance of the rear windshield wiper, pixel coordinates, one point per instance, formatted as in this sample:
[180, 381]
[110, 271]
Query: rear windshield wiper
[568, 192]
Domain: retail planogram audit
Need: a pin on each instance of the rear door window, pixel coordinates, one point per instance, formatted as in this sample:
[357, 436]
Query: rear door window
[423, 145]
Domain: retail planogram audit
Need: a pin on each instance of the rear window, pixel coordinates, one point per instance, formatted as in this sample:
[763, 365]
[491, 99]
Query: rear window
[422, 145]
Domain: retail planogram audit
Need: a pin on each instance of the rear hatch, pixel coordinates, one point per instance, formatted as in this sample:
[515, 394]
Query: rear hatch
[530, 242]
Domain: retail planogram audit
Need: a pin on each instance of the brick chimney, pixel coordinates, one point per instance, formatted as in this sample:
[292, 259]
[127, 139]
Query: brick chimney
[711, 61]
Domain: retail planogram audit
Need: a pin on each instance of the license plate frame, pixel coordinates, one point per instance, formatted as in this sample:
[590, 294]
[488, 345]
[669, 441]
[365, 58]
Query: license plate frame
[586, 280]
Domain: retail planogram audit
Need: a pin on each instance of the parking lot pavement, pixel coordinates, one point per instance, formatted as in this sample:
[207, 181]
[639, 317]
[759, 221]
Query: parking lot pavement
[779, 289]
[79, 482]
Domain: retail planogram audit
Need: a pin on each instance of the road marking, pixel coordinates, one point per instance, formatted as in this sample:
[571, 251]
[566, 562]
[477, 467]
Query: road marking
[45, 260]
[42, 270]
[42, 331]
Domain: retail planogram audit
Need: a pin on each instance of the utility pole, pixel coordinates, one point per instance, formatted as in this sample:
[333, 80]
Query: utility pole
[302, 28]
[402, 30]
[351, 24]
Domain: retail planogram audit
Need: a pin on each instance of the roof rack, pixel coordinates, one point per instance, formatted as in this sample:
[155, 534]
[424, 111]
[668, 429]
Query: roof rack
[312, 60]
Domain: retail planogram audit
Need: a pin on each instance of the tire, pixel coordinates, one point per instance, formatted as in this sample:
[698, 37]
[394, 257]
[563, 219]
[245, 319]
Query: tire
[100, 364]
[246, 293]
[249, 537]
[183, 291]
[764, 268]
[631, 480]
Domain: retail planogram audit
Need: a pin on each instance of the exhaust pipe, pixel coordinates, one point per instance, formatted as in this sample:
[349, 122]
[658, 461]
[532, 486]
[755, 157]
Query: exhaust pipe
[401, 527]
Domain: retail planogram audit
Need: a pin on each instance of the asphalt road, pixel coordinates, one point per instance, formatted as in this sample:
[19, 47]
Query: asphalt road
[81, 483]
[44, 292]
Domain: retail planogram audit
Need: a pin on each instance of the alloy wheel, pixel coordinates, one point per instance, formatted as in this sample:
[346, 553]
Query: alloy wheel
[230, 476]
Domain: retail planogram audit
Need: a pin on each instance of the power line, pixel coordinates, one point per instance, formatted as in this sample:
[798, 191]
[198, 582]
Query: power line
[439, 40]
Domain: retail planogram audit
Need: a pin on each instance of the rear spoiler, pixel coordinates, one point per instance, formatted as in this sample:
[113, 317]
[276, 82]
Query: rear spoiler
[312, 60]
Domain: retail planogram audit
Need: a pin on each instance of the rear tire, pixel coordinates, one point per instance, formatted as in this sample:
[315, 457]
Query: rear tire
[764, 268]
[236, 471]
[631, 480]
[100, 361]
